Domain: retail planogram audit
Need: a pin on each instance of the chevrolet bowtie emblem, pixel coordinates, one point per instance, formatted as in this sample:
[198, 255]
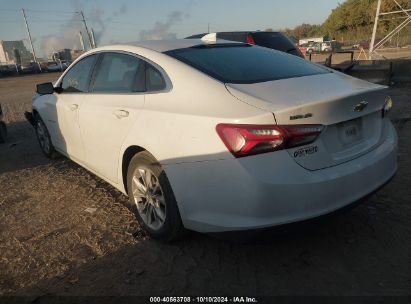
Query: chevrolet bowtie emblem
[361, 106]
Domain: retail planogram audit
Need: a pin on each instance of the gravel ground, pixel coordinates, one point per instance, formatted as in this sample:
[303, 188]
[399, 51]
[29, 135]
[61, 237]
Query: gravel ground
[64, 231]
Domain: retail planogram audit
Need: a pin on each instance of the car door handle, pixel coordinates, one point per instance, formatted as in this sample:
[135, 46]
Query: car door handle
[120, 113]
[73, 107]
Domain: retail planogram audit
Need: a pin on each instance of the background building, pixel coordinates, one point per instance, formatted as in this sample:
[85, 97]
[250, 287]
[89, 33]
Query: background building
[64, 54]
[14, 52]
[76, 53]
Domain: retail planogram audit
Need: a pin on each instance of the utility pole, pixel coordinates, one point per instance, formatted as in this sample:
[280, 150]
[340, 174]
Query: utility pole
[93, 39]
[81, 41]
[405, 15]
[374, 32]
[85, 25]
[31, 42]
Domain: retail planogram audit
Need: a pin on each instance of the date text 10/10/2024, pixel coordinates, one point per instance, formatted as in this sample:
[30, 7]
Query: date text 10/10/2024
[203, 299]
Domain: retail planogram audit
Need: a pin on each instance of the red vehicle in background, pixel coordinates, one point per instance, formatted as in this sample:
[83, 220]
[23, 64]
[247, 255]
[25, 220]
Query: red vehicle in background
[303, 50]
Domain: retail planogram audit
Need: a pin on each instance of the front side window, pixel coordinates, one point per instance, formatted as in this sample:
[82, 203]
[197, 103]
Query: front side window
[77, 78]
[120, 73]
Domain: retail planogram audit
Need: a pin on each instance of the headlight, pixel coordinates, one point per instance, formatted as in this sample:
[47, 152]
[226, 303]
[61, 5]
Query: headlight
[387, 106]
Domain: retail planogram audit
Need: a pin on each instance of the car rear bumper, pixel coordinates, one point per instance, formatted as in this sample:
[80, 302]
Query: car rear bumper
[272, 189]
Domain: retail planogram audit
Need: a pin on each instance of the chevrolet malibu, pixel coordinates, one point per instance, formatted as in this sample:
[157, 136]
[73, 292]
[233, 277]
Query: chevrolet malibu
[217, 136]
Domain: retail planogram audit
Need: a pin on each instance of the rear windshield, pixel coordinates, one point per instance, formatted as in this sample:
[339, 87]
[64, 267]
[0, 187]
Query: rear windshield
[242, 63]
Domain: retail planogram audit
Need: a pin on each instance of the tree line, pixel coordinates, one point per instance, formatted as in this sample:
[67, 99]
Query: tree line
[353, 20]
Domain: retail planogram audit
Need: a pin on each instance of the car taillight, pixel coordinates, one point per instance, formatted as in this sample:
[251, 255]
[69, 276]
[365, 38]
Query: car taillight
[250, 39]
[245, 140]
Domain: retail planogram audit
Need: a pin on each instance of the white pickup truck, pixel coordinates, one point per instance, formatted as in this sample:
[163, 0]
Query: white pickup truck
[326, 46]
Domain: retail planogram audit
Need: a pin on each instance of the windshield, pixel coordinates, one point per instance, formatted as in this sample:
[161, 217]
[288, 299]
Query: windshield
[242, 63]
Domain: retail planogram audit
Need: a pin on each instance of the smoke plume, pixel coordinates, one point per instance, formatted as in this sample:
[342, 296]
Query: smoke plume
[68, 36]
[161, 30]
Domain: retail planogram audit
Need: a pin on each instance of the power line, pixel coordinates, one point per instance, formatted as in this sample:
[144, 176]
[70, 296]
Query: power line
[51, 11]
[50, 20]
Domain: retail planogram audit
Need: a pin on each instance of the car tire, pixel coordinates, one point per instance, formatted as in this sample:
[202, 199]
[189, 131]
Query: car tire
[44, 138]
[152, 198]
[3, 132]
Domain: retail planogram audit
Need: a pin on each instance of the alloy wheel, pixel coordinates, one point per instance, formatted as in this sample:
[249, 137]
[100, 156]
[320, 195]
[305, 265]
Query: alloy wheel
[149, 198]
[43, 137]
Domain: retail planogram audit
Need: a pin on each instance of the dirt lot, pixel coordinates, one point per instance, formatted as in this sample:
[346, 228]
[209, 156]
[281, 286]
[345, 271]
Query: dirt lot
[50, 244]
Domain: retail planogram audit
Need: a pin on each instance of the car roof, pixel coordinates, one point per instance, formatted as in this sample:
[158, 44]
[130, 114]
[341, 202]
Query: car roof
[155, 46]
[174, 44]
[234, 32]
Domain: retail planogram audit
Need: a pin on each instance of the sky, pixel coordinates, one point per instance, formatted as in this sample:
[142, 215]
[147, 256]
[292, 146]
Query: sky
[55, 25]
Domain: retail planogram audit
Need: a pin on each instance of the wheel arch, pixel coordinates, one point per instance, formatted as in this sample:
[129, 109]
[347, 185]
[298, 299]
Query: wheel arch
[127, 156]
[35, 112]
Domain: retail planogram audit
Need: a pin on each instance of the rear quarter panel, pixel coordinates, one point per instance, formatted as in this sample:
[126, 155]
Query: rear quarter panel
[178, 126]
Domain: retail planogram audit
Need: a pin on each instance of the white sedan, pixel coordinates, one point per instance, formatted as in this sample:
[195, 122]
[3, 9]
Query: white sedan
[218, 136]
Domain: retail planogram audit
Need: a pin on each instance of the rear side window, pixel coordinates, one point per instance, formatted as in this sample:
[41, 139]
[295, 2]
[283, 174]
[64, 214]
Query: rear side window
[119, 73]
[154, 79]
[241, 63]
[77, 78]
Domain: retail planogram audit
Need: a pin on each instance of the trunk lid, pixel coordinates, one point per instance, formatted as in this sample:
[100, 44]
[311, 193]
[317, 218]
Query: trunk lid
[349, 108]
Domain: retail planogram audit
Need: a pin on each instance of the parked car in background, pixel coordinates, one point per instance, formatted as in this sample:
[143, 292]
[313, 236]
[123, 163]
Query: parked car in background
[53, 66]
[29, 68]
[331, 46]
[313, 47]
[364, 44]
[8, 69]
[218, 136]
[3, 128]
[326, 46]
[318, 47]
[43, 66]
[272, 40]
[65, 64]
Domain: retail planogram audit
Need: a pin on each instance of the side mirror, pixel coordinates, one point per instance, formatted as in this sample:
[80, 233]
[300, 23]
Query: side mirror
[45, 88]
